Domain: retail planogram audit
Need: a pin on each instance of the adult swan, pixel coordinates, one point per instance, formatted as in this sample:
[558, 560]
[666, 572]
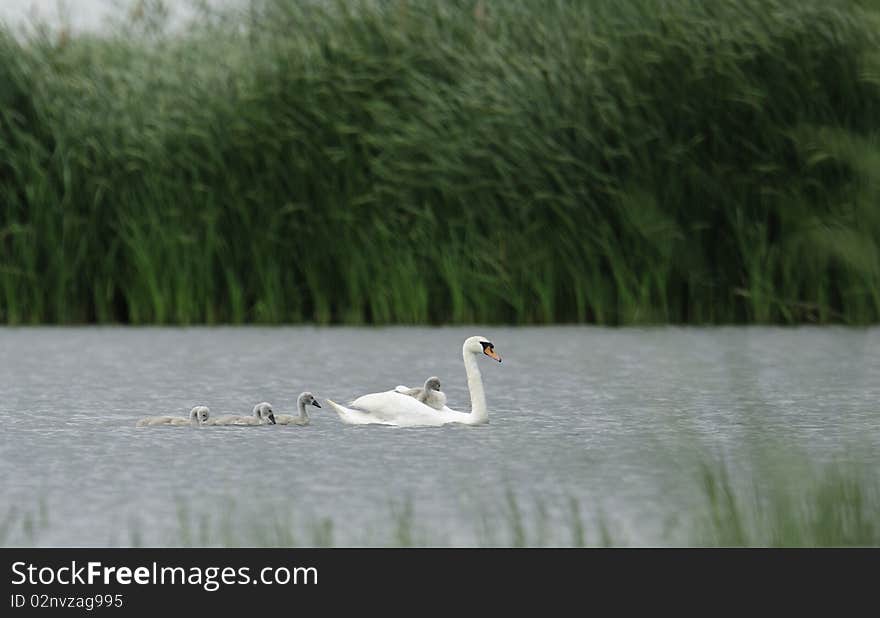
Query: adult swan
[394, 408]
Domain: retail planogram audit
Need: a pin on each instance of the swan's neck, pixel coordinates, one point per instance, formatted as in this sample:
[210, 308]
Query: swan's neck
[475, 386]
[303, 414]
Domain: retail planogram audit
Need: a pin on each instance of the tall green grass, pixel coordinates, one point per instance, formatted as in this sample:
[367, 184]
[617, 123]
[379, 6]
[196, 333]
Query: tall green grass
[404, 161]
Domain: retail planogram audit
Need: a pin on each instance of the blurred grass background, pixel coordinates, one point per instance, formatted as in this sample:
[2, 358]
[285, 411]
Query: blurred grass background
[615, 162]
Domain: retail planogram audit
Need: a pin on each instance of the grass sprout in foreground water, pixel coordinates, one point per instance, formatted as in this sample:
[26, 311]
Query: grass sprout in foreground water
[835, 506]
[23, 526]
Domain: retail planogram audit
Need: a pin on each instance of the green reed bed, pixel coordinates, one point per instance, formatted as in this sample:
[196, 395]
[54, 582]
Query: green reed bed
[421, 162]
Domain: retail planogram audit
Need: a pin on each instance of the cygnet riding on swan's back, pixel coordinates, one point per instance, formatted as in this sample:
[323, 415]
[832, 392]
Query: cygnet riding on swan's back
[304, 399]
[197, 416]
[396, 408]
[429, 394]
[262, 415]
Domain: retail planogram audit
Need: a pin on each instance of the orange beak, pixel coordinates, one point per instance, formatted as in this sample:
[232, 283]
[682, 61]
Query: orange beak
[491, 353]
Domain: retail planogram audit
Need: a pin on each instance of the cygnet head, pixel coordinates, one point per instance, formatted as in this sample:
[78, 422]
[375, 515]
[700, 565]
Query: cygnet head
[199, 414]
[307, 399]
[264, 411]
[432, 384]
[481, 345]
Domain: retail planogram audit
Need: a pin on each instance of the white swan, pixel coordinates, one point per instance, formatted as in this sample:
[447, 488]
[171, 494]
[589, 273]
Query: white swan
[302, 401]
[429, 394]
[395, 408]
[262, 415]
[197, 416]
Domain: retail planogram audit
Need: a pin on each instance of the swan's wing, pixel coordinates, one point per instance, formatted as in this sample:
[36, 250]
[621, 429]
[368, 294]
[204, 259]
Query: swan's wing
[399, 410]
[400, 388]
[393, 408]
[411, 392]
[388, 404]
[354, 417]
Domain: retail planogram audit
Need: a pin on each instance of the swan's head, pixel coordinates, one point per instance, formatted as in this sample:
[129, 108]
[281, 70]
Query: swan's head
[199, 414]
[307, 399]
[481, 345]
[264, 412]
[432, 384]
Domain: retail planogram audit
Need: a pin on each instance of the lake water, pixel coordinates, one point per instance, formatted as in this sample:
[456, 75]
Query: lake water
[98, 15]
[609, 418]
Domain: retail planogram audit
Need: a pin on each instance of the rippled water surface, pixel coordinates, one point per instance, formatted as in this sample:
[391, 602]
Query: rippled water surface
[609, 420]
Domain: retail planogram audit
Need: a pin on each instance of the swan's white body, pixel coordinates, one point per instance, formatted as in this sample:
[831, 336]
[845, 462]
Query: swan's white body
[400, 410]
[199, 415]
